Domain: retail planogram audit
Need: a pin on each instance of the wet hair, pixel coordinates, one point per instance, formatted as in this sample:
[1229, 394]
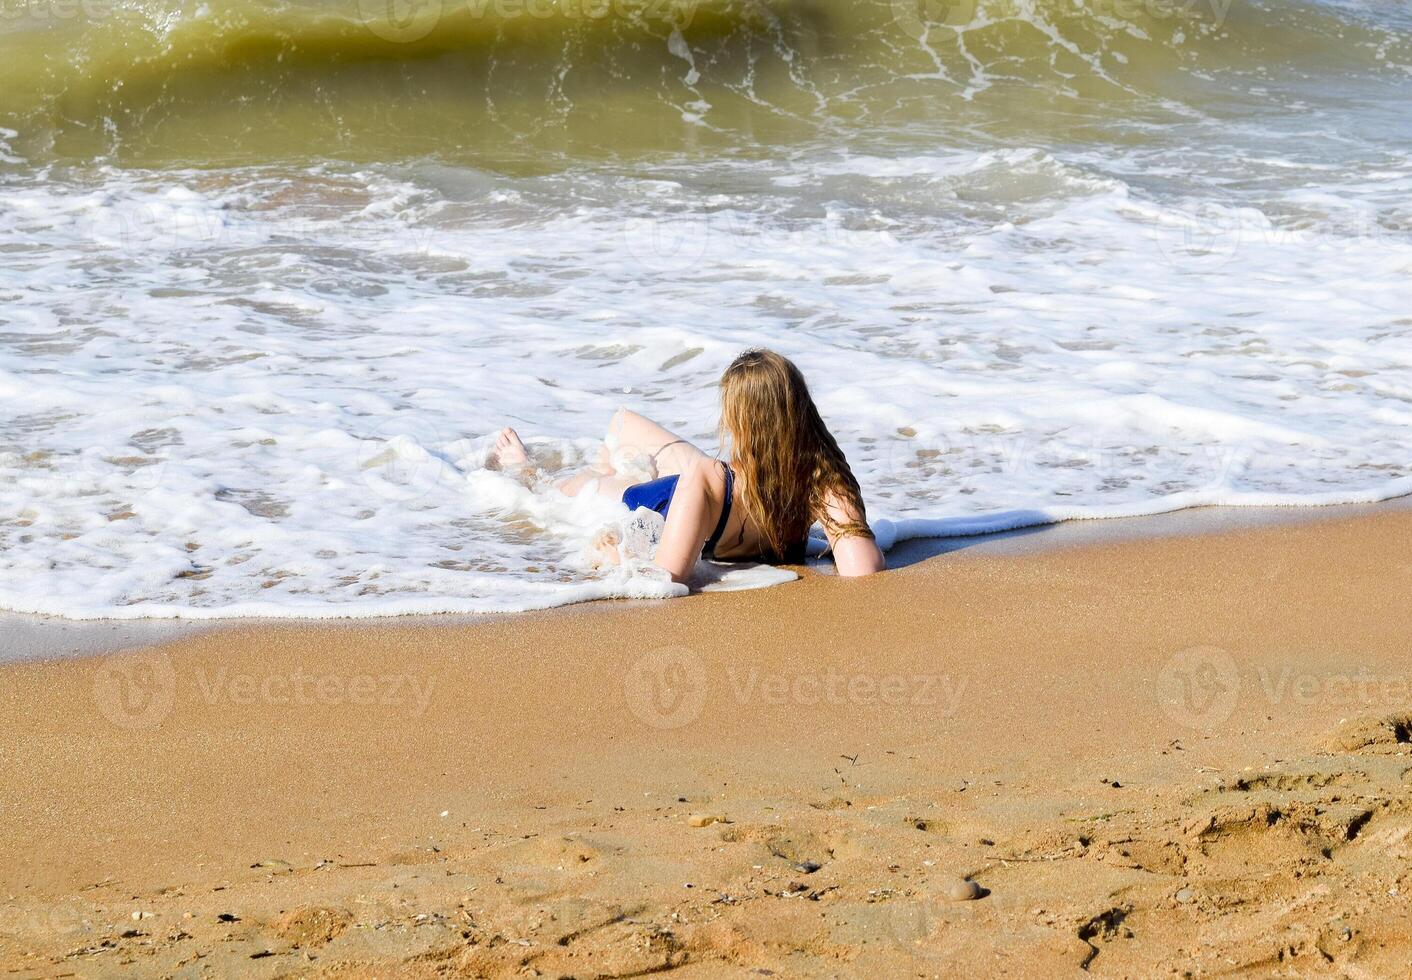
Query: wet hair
[791, 465]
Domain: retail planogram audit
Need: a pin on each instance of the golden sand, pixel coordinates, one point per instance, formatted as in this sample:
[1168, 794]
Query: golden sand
[1148, 756]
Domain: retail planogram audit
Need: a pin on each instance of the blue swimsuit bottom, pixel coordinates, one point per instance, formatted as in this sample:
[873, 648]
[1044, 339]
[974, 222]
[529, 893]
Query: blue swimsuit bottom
[657, 495]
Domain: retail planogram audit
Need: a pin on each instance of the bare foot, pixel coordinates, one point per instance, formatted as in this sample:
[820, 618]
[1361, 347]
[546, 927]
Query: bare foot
[509, 454]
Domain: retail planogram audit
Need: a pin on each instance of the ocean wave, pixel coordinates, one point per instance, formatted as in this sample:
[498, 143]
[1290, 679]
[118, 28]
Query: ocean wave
[260, 80]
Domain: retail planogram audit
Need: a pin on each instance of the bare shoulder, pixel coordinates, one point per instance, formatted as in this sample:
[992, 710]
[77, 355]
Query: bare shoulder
[707, 474]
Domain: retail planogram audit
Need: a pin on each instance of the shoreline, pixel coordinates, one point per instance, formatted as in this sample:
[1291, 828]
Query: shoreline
[486, 798]
[25, 637]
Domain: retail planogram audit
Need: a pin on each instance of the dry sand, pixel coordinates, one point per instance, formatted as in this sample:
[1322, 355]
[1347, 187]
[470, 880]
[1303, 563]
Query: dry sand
[1161, 757]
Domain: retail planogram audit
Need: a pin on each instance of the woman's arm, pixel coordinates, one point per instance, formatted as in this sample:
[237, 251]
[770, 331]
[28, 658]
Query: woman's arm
[853, 554]
[695, 506]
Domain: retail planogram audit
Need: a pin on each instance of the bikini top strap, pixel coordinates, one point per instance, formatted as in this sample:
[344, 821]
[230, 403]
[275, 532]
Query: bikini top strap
[709, 550]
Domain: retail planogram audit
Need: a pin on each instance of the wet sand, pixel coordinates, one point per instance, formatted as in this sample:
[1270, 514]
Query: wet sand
[1185, 754]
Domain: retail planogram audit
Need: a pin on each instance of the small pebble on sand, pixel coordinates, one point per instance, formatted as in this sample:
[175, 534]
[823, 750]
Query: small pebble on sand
[961, 890]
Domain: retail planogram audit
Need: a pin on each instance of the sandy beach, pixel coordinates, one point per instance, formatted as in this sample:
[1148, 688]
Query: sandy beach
[1184, 756]
[375, 378]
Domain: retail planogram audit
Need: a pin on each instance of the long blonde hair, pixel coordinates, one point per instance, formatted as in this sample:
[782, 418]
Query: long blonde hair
[789, 461]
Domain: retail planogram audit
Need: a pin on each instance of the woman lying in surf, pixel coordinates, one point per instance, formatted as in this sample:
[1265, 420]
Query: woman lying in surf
[785, 472]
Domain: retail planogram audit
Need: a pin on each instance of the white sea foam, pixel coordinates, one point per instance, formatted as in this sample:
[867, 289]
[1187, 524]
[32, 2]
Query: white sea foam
[272, 393]
[6, 154]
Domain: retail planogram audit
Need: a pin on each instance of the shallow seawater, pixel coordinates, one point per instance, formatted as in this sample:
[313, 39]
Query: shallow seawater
[266, 294]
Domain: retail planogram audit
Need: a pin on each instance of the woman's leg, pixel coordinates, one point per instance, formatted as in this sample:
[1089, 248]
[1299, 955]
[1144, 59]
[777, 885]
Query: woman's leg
[634, 447]
[630, 433]
[608, 484]
[510, 456]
